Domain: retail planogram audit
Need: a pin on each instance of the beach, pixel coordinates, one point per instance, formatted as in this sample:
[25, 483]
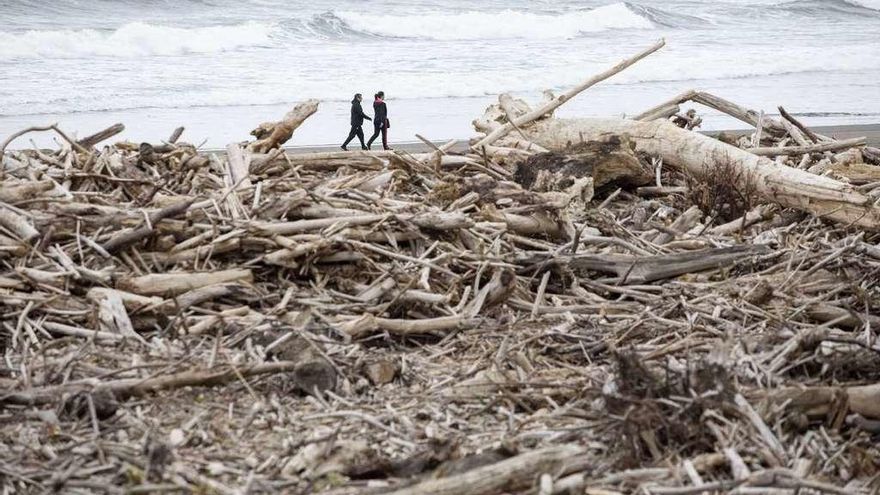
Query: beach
[566, 277]
[221, 67]
[870, 131]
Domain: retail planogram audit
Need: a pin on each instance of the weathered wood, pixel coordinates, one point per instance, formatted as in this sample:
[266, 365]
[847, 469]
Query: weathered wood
[128, 237]
[806, 130]
[819, 401]
[815, 148]
[748, 116]
[176, 134]
[642, 269]
[508, 475]
[557, 102]
[697, 154]
[17, 224]
[272, 135]
[91, 141]
[667, 108]
[127, 387]
[176, 283]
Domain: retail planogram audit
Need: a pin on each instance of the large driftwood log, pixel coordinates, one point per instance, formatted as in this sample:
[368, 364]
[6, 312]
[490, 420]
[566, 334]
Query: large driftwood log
[123, 239]
[17, 224]
[128, 387]
[643, 269]
[699, 154]
[176, 283]
[271, 135]
[557, 102]
[517, 472]
[818, 401]
[91, 141]
[608, 162]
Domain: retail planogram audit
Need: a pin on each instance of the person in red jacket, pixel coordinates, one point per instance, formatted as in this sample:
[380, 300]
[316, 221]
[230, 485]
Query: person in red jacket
[380, 121]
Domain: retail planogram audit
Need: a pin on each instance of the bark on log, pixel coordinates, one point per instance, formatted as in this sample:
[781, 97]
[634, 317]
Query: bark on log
[176, 134]
[127, 387]
[643, 269]
[610, 162]
[507, 475]
[91, 141]
[697, 154]
[273, 135]
[13, 193]
[129, 237]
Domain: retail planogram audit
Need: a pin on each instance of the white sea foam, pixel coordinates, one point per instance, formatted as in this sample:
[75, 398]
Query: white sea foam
[135, 39]
[497, 25]
[281, 85]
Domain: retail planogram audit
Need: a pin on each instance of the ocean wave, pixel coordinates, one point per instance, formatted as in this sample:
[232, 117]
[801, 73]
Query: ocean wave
[135, 39]
[868, 4]
[285, 83]
[822, 8]
[504, 24]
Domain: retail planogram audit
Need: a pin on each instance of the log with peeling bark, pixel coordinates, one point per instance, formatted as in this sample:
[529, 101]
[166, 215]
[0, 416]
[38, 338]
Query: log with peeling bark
[699, 154]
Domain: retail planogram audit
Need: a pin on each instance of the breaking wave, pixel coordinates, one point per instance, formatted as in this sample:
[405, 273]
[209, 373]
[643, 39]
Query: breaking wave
[868, 4]
[135, 39]
[505, 24]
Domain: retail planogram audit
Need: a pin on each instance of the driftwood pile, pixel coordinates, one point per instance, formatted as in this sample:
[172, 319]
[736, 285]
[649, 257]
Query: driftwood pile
[587, 306]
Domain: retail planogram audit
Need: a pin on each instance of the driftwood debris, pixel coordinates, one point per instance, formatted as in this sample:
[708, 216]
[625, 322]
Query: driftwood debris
[699, 155]
[271, 135]
[569, 306]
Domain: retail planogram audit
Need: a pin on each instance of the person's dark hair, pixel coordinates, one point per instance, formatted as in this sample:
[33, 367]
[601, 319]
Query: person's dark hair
[380, 94]
[357, 95]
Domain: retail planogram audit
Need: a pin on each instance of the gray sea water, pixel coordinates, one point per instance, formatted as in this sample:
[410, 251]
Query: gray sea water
[219, 67]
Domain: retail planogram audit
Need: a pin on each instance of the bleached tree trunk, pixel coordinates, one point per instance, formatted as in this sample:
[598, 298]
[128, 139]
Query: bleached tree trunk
[698, 154]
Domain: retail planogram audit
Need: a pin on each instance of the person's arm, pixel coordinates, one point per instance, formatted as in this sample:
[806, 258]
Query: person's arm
[364, 114]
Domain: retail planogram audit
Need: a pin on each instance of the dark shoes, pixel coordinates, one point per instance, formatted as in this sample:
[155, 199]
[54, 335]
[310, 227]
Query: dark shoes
[344, 148]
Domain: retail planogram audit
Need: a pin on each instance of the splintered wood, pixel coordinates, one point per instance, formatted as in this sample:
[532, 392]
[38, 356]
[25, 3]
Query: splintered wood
[571, 306]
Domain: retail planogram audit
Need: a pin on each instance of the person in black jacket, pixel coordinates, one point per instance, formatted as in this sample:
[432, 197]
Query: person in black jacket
[357, 122]
[380, 121]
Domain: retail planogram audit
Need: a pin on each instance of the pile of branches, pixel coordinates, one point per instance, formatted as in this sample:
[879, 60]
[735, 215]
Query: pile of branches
[553, 310]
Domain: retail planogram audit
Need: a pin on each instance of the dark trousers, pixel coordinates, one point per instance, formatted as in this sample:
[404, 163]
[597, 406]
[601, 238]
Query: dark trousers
[358, 131]
[377, 128]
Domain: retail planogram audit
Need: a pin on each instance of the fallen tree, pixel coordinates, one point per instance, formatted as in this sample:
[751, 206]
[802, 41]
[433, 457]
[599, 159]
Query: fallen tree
[700, 154]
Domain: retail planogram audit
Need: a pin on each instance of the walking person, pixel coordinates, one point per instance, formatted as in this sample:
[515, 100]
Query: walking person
[380, 121]
[357, 122]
